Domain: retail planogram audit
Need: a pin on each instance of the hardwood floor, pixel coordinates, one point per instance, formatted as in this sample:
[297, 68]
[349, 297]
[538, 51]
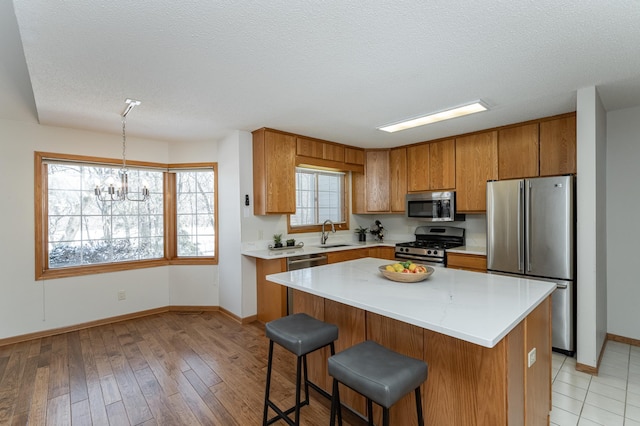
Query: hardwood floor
[165, 369]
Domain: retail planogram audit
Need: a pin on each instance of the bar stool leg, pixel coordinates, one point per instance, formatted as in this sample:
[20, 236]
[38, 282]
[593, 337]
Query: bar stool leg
[298, 379]
[419, 407]
[385, 416]
[370, 411]
[266, 392]
[306, 380]
[335, 405]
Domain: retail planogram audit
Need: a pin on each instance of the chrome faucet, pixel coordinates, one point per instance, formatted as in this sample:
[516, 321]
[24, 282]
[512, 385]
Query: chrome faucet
[325, 235]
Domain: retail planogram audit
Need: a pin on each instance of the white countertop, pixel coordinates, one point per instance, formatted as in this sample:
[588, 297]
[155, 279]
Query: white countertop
[471, 306]
[315, 248]
[479, 250]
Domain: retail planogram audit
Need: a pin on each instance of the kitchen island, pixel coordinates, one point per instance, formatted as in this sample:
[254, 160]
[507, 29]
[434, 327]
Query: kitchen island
[475, 331]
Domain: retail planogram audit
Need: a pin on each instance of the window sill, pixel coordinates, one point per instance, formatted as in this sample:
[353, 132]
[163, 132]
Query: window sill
[76, 271]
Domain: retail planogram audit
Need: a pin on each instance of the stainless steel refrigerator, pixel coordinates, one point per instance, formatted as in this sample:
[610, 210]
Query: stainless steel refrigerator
[530, 233]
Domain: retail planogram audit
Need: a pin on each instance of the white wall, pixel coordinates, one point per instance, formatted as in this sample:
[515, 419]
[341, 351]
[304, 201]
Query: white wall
[591, 231]
[28, 306]
[229, 231]
[623, 234]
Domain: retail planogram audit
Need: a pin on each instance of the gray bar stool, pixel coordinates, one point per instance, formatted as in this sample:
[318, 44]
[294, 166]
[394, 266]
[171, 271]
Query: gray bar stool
[301, 335]
[379, 374]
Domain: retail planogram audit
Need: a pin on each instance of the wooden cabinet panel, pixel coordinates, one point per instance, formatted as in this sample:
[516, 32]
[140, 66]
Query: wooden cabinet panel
[272, 298]
[418, 168]
[352, 330]
[398, 179]
[333, 152]
[344, 255]
[358, 183]
[537, 330]
[466, 378]
[383, 252]
[314, 148]
[274, 160]
[353, 156]
[408, 340]
[476, 162]
[469, 262]
[518, 151]
[558, 146]
[309, 147]
[442, 165]
[377, 181]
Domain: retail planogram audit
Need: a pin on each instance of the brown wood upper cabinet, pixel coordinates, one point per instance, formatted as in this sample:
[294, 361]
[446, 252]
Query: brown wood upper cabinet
[545, 148]
[398, 180]
[518, 151]
[354, 156]
[418, 167]
[476, 163]
[558, 146]
[318, 149]
[383, 186]
[442, 165]
[431, 166]
[274, 167]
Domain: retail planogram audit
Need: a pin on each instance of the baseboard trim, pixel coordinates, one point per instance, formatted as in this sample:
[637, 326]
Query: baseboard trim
[622, 339]
[125, 317]
[613, 337]
[236, 318]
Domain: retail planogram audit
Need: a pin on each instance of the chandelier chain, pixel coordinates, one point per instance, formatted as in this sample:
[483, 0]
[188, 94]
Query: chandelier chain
[124, 145]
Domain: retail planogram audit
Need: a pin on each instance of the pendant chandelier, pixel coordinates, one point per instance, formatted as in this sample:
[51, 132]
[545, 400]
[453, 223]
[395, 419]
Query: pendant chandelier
[122, 193]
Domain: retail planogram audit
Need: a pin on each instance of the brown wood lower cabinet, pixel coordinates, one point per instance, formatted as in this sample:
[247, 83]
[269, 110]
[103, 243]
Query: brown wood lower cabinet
[469, 262]
[344, 255]
[468, 384]
[271, 297]
[383, 252]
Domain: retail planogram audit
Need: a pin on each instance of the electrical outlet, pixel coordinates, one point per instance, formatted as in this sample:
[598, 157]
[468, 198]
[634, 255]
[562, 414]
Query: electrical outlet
[532, 357]
[122, 295]
[260, 234]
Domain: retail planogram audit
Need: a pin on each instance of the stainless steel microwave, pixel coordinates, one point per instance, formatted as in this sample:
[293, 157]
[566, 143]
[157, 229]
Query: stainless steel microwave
[433, 206]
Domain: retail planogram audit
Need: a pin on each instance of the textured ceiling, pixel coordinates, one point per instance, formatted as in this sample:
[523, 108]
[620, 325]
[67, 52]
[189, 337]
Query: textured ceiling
[330, 69]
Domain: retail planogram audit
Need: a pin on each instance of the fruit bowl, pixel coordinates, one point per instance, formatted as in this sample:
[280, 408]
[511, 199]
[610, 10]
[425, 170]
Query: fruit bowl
[406, 277]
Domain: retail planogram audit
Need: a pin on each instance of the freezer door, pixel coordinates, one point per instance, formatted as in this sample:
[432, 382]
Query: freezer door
[505, 226]
[549, 227]
[563, 316]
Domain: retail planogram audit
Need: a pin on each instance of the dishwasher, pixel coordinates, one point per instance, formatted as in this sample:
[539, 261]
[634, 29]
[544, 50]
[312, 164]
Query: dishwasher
[301, 262]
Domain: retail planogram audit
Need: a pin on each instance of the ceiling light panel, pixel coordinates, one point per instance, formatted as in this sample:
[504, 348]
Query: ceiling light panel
[477, 106]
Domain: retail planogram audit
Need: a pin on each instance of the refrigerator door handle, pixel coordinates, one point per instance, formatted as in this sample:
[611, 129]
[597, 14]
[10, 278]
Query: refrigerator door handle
[520, 226]
[561, 286]
[527, 237]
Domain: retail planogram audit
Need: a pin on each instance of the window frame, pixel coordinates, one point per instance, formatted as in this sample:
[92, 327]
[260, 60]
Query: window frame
[41, 202]
[342, 226]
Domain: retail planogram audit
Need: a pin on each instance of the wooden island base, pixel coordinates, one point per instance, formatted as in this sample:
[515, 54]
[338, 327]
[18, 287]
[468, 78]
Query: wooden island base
[468, 384]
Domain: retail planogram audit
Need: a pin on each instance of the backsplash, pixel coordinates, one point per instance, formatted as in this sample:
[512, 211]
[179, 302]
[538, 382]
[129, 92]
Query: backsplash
[397, 229]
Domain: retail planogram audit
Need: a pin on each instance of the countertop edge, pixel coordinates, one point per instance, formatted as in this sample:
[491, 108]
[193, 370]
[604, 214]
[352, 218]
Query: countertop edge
[314, 249]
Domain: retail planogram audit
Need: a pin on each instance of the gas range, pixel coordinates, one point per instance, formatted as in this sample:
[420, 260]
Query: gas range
[431, 244]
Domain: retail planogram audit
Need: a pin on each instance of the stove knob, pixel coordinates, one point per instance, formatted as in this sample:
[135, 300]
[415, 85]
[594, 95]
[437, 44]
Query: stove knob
[428, 251]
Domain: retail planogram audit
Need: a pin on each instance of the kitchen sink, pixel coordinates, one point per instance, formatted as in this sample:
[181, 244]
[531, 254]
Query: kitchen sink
[334, 245]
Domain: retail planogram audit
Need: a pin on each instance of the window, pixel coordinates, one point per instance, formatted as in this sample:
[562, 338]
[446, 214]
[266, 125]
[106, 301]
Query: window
[195, 213]
[82, 230]
[78, 234]
[320, 195]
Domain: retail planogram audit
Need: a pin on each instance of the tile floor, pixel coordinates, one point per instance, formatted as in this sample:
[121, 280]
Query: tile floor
[612, 398]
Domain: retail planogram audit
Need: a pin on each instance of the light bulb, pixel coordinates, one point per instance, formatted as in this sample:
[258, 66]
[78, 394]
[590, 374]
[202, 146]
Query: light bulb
[109, 181]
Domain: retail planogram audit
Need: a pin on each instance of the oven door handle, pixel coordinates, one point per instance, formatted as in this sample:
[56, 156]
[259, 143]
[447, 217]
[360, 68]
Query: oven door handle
[421, 259]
